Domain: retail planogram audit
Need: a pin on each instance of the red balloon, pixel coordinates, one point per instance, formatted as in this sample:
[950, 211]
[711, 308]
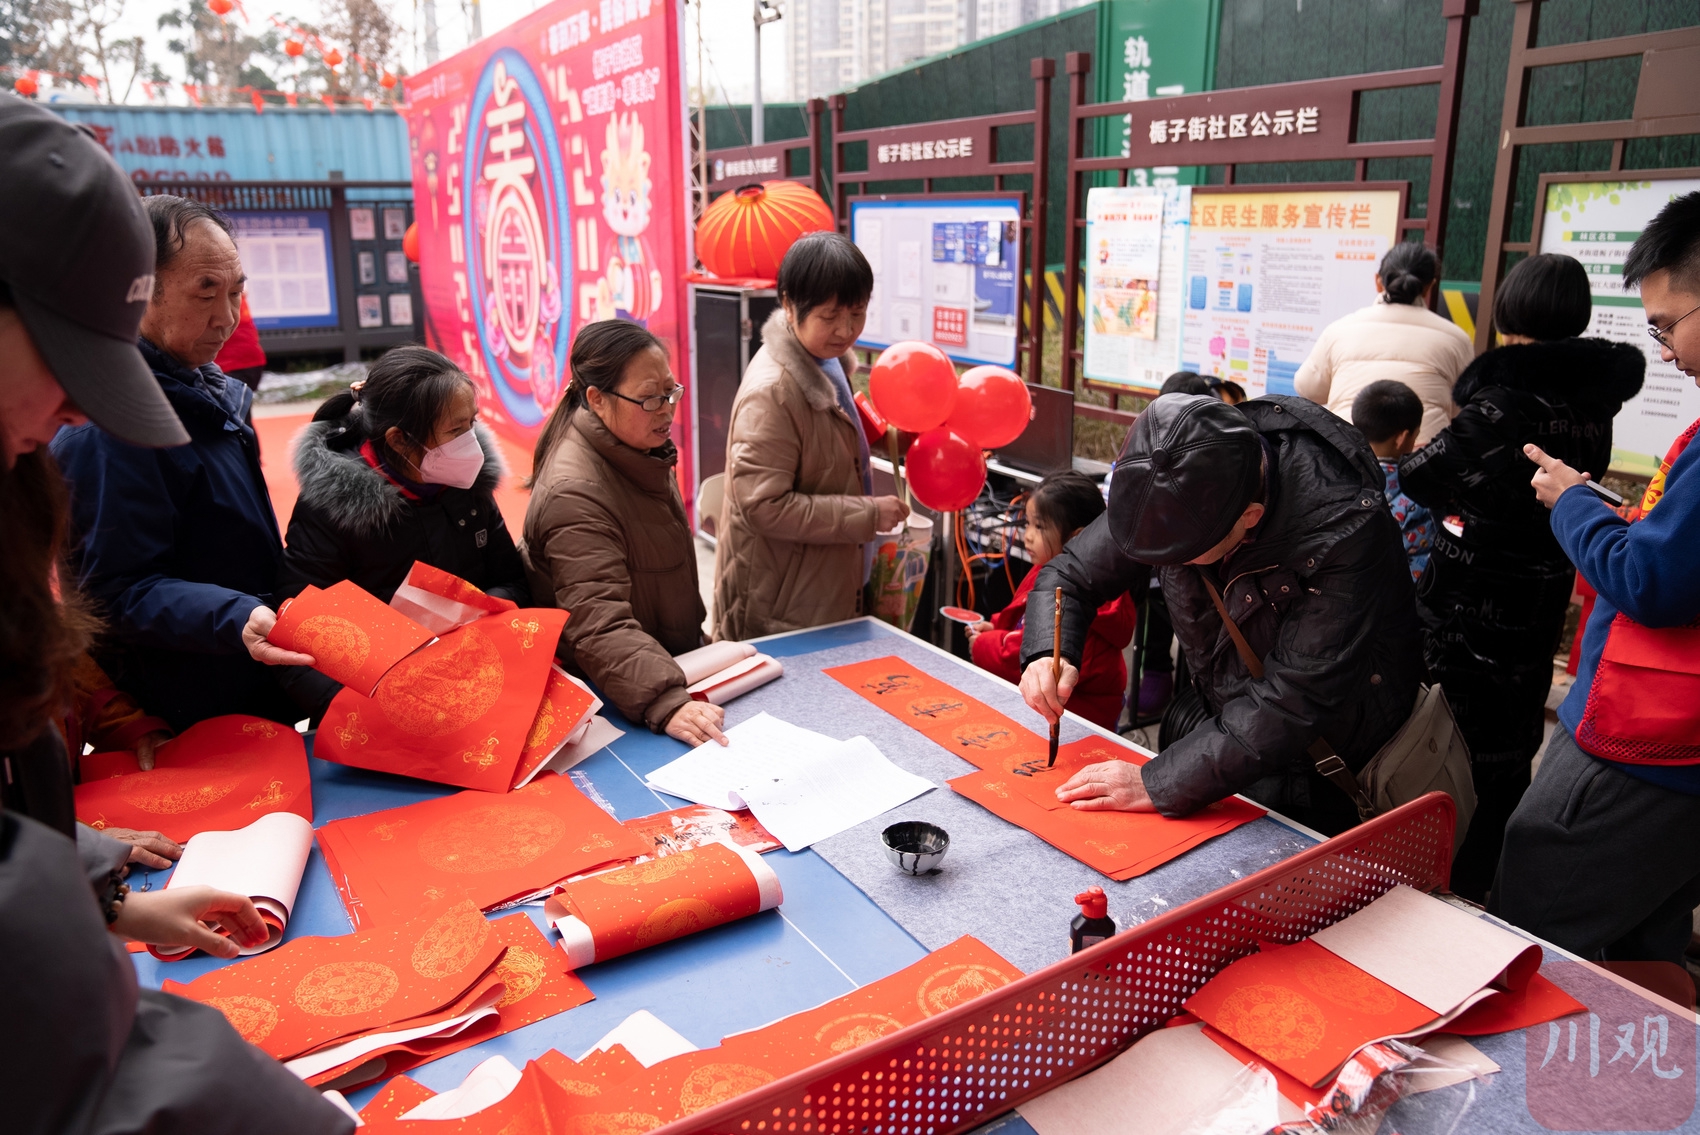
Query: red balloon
[992, 407]
[913, 386]
[410, 242]
[26, 85]
[945, 470]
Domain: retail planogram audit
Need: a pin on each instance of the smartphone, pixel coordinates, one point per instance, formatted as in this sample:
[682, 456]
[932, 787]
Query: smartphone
[1605, 494]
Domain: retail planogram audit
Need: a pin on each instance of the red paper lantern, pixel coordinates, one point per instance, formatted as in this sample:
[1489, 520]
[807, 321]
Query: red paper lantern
[386, 80]
[410, 242]
[26, 85]
[293, 48]
[748, 232]
[220, 8]
[333, 58]
[945, 470]
[913, 386]
[992, 407]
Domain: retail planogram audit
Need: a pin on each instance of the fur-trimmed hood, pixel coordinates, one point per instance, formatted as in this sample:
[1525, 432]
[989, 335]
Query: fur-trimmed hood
[788, 351]
[336, 480]
[1591, 373]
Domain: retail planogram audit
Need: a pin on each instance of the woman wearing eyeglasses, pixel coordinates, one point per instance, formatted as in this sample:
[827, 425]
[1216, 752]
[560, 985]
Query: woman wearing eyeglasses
[1494, 594]
[606, 535]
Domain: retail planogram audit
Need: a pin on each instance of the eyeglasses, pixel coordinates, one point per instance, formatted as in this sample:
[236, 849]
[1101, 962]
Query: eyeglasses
[1661, 335]
[655, 401]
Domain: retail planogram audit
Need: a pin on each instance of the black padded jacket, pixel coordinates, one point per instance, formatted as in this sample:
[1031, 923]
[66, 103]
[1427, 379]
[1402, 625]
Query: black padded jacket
[1322, 593]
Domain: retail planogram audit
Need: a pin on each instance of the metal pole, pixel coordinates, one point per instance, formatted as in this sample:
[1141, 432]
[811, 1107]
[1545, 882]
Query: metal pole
[429, 10]
[757, 134]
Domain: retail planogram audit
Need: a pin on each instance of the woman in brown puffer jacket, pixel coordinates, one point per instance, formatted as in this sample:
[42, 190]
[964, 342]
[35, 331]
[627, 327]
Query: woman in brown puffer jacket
[800, 508]
[606, 535]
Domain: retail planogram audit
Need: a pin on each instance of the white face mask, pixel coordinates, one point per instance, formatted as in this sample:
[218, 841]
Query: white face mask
[455, 463]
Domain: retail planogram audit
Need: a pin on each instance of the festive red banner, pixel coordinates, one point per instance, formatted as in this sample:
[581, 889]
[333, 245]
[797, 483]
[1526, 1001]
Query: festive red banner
[549, 189]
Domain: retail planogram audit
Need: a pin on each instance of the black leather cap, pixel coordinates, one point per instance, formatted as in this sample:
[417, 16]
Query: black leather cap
[1189, 467]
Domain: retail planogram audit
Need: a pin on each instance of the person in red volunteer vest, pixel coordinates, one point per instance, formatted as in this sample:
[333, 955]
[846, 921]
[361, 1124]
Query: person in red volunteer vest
[1061, 505]
[1602, 856]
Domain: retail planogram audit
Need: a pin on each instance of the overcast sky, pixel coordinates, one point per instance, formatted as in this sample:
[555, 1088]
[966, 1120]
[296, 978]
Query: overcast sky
[728, 50]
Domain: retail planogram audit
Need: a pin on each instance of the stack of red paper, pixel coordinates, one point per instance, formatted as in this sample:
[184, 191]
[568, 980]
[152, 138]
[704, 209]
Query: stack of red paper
[1015, 784]
[1404, 966]
[218, 775]
[489, 848]
[350, 1010]
[611, 1091]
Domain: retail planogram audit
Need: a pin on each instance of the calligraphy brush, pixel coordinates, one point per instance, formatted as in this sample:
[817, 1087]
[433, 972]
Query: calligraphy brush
[1056, 671]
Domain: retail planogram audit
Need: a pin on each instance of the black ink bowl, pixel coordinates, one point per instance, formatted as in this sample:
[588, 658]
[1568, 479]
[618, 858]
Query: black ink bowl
[915, 847]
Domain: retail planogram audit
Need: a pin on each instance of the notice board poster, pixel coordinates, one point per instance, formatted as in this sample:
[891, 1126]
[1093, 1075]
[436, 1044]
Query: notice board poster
[946, 272]
[287, 258]
[1136, 243]
[1268, 270]
[1596, 222]
[549, 189]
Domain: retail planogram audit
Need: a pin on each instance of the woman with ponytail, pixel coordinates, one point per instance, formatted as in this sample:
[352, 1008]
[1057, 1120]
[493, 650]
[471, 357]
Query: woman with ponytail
[1396, 338]
[606, 535]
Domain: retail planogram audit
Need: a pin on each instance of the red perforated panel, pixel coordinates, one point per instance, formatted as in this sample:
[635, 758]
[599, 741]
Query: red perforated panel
[978, 1060]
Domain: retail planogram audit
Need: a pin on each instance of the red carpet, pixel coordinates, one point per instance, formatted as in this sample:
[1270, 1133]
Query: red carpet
[278, 433]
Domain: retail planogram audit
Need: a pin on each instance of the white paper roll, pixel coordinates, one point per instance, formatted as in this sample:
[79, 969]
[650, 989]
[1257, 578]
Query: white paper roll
[711, 659]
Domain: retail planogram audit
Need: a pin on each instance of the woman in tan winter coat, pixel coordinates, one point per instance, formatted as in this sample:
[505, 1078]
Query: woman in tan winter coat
[605, 532]
[799, 506]
[1396, 338]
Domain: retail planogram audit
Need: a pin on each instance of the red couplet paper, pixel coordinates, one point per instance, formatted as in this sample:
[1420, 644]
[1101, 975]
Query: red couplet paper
[312, 992]
[1536, 1003]
[696, 824]
[440, 602]
[563, 708]
[643, 905]
[220, 774]
[536, 984]
[536, 1106]
[486, 847]
[458, 712]
[611, 1095]
[352, 635]
[1304, 1010]
[969, 728]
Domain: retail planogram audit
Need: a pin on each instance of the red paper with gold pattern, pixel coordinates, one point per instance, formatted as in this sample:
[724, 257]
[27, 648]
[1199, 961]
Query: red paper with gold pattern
[220, 774]
[458, 711]
[312, 992]
[685, 1084]
[649, 903]
[395, 1099]
[352, 635]
[969, 728]
[1122, 845]
[565, 704]
[538, 985]
[587, 1079]
[1304, 1009]
[487, 847]
[536, 1106]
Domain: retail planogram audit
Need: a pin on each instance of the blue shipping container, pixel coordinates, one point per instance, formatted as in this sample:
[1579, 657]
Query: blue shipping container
[235, 144]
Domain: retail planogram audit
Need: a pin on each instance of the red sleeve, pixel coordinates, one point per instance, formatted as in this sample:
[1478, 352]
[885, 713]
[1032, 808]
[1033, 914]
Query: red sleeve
[999, 652]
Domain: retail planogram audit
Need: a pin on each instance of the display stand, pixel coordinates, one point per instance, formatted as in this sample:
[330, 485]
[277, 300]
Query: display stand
[726, 323]
[969, 1064]
[1329, 133]
[1667, 102]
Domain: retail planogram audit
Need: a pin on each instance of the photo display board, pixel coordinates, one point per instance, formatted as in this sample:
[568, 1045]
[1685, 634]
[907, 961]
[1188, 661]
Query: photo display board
[1268, 270]
[1596, 222]
[1136, 250]
[946, 272]
[287, 258]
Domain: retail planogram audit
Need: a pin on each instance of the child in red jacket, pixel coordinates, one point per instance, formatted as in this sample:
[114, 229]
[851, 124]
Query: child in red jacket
[1057, 510]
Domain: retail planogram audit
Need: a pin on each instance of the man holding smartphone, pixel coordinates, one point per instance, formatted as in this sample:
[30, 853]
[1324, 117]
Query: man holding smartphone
[1602, 856]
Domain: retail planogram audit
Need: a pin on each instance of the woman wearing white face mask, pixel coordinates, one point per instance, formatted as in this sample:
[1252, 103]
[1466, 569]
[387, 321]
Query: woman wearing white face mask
[397, 469]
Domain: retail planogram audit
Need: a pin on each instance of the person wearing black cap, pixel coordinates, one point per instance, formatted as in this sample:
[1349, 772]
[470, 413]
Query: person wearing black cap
[83, 1049]
[1270, 513]
[180, 546]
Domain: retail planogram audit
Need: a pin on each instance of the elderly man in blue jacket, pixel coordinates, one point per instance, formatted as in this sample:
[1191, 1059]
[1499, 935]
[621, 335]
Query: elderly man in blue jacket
[1603, 854]
[179, 546]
